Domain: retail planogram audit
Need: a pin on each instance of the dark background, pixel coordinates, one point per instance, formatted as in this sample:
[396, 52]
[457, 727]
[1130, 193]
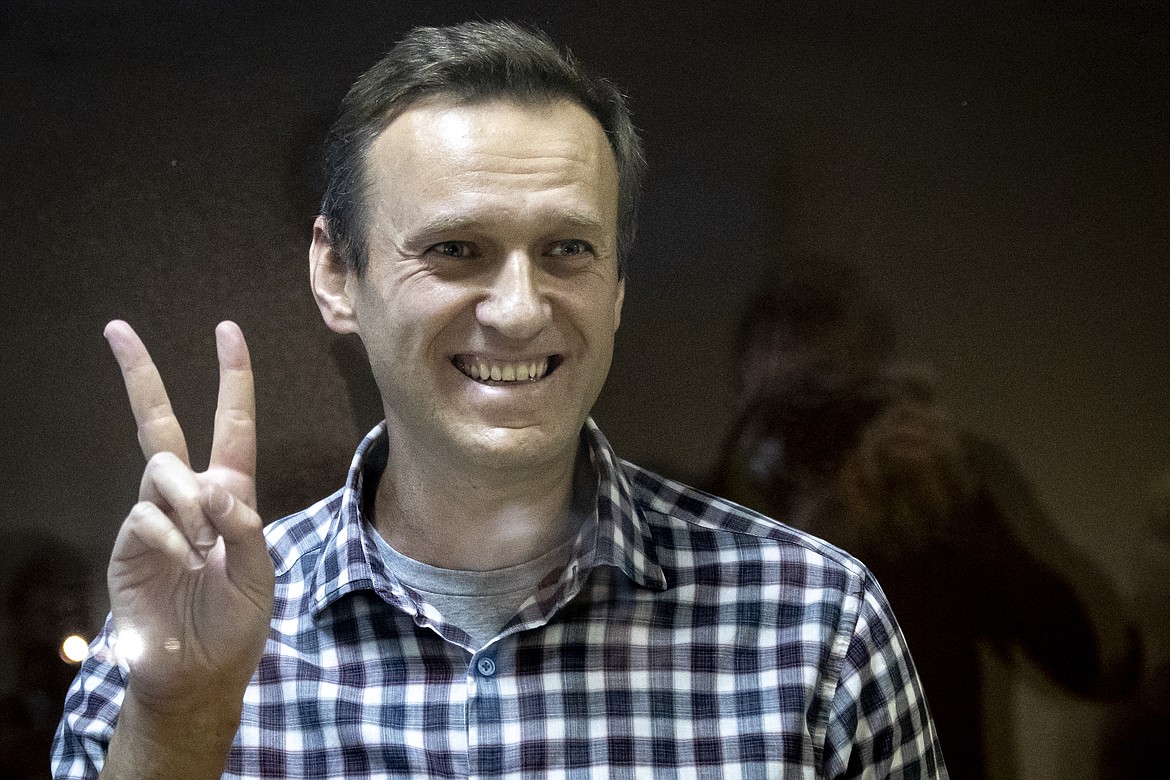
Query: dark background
[998, 171]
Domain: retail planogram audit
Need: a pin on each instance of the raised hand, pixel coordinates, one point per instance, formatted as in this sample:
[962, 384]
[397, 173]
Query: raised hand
[190, 579]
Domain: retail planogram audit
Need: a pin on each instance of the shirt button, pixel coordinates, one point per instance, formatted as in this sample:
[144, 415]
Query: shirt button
[486, 667]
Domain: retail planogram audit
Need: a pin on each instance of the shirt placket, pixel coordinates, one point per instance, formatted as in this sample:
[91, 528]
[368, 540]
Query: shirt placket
[485, 722]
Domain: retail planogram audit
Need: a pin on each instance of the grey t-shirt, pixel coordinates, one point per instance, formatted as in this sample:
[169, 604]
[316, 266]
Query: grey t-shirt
[479, 602]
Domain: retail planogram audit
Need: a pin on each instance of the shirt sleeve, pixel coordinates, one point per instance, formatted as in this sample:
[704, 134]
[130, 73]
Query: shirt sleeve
[91, 711]
[879, 723]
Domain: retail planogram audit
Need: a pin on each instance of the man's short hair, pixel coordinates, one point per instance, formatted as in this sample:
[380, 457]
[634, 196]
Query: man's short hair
[468, 63]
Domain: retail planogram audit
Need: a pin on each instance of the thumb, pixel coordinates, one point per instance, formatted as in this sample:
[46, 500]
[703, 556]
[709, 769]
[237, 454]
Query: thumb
[249, 565]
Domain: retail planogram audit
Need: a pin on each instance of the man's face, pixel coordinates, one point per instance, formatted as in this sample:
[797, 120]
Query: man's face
[491, 298]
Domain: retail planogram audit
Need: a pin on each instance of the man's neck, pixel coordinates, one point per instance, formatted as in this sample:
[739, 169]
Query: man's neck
[473, 519]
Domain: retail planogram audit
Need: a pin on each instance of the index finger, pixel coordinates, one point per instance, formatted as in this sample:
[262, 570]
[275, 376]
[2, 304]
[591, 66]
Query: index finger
[234, 444]
[158, 428]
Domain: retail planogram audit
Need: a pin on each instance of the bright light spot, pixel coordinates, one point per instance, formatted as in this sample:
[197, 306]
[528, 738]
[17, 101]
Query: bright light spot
[74, 649]
[454, 130]
[129, 646]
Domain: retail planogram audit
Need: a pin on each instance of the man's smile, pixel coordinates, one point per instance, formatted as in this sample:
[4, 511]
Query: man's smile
[493, 370]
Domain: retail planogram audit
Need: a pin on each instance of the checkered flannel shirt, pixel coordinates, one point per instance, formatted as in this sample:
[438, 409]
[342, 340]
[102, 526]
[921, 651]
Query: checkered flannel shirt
[687, 637]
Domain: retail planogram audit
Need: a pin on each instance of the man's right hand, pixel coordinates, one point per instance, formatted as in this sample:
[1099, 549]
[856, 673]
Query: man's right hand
[190, 579]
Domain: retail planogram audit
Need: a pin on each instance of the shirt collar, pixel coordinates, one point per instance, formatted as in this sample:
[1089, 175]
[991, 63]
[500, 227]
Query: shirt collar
[619, 535]
[624, 539]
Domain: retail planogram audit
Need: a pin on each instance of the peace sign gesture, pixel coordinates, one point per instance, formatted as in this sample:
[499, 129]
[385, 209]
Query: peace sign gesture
[190, 579]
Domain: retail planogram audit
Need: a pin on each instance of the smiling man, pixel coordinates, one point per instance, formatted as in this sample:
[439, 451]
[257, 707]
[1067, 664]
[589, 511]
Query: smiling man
[493, 592]
[488, 308]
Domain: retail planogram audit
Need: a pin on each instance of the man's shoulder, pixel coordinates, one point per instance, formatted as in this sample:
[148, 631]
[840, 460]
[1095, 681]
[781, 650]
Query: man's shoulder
[705, 526]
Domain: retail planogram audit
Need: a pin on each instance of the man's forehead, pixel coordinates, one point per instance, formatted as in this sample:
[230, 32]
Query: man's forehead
[447, 165]
[451, 125]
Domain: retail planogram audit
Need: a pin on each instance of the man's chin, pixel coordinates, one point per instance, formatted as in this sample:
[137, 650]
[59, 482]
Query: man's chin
[530, 446]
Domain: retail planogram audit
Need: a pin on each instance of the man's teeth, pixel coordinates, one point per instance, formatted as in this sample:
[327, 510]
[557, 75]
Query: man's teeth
[505, 372]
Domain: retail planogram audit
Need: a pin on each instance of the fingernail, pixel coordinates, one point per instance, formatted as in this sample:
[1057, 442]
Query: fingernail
[111, 335]
[205, 539]
[218, 501]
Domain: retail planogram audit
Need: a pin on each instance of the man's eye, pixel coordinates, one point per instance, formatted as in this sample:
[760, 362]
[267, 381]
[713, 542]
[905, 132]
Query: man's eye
[453, 249]
[571, 248]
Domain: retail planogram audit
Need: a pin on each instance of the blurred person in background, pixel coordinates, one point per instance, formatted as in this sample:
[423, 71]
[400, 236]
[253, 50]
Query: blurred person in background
[1139, 727]
[837, 438]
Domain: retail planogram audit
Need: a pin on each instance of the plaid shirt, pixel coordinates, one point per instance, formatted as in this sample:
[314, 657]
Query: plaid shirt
[687, 637]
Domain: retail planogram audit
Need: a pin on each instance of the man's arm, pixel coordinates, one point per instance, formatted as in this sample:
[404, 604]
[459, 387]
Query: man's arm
[879, 722]
[190, 578]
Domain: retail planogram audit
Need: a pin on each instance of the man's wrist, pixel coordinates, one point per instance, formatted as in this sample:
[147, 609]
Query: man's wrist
[181, 740]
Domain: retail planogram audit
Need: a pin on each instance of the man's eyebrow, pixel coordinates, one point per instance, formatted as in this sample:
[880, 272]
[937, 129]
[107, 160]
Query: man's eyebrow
[579, 219]
[445, 224]
[568, 218]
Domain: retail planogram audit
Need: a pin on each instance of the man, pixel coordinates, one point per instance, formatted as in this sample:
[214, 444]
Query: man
[492, 592]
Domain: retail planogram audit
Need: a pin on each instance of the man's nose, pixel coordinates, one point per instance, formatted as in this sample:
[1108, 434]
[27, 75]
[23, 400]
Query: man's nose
[514, 304]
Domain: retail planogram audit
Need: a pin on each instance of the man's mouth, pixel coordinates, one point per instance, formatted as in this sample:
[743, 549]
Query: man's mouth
[495, 371]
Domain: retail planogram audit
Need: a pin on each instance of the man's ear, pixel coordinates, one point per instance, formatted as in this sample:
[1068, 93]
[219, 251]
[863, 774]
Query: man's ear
[328, 276]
